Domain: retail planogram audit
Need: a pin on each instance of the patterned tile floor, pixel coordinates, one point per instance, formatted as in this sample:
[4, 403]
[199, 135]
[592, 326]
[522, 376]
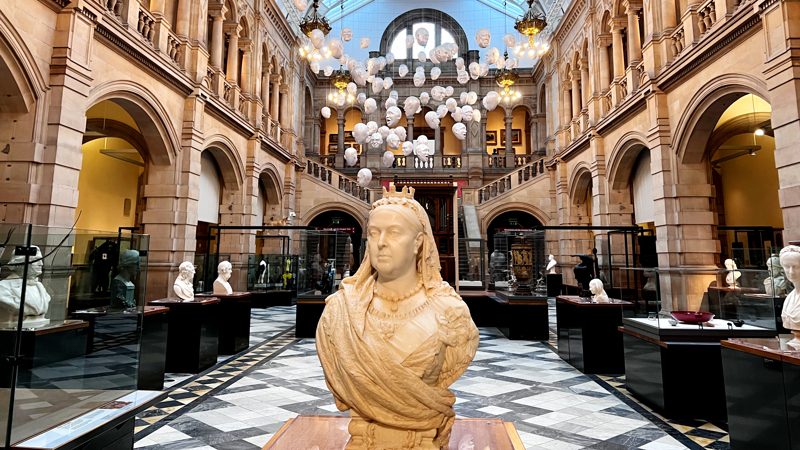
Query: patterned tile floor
[245, 399]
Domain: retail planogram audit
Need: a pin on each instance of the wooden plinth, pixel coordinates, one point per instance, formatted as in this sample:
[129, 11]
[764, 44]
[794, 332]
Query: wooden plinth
[330, 433]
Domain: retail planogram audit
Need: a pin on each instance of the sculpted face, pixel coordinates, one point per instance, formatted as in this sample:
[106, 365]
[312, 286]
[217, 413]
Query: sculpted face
[510, 40]
[336, 46]
[393, 242]
[401, 133]
[422, 36]
[370, 106]
[360, 133]
[408, 148]
[375, 140]
[435, 73]
[483, 37]
[791, 266]
[372, 127]
[474, 70]
[351, 156]
[596, 286]
[419, 79]
[393, 116]
[460, 130]
[363, 177]
[491, 55]
[387, 159]
[402, 70]
[317, 38]
[326, 112]
[432, 119]
[364, 42]
[347, 34]
[393, 141]
[409, 41]
[301, 5]
[463, 77]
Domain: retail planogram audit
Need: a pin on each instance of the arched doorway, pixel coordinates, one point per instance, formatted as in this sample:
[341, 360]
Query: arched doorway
[509, 220]
[335, 219]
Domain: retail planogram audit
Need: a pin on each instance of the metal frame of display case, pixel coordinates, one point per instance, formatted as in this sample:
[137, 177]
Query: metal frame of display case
[467, 252]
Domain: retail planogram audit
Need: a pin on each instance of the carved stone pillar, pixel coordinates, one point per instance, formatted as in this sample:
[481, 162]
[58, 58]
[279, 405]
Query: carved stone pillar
[245, 81]
[410, 133]
[340, 121]
[273, 109]
[566, 108]
[184, 18]
[634, 40]
[232, 71]
[605, 71]
[619, 52]
[437, 137]
[509, 146]
[265, 94]
[585, 91]
[284, 111]
[576, 94]
[216, 39]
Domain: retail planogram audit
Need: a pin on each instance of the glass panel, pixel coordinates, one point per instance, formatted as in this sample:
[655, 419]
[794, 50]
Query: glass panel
[431, 40]
[447, 37]
[323, 261]
[398, 47]
[517, 264]
[83, 352]
[267, 273]
[472, 264]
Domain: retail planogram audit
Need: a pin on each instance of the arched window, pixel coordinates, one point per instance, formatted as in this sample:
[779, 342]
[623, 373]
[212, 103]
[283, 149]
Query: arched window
[441, 29]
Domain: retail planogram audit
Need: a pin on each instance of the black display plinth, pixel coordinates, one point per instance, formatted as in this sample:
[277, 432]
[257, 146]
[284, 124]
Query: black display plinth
[758, 372]
[588, 334]
[153, 357]
[523, 320]
[309, 310]
[271, 298]
[664, 366]
[554, 282]
[234, 321]
[42, 346]
[193, 335]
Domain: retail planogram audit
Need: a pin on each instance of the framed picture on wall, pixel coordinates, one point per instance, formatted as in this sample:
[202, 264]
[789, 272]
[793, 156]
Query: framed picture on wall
[516, 137]
[333, 139]
[348, 136]
[332, 149]
[491, 138]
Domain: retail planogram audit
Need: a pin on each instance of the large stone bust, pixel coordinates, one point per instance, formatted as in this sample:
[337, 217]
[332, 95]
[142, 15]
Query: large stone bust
[395, 335]
[37, 299]
[790, 261]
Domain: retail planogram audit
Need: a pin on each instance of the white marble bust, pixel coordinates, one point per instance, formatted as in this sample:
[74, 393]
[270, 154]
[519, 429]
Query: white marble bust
[732, 278]
[183, 286]
[775, 284]
[551, 265]
[37, 300]
[790, 261]
[599, 293]
[221, 285]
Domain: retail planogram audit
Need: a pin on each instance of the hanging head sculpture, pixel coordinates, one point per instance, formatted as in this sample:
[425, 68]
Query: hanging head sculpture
[390, 352]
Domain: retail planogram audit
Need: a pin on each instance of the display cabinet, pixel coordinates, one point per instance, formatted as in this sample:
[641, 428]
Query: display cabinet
[667, 345]
[205, 271]
[516, 265]
[472, 264]
[266, 273]
[70, 359]
[325, 258]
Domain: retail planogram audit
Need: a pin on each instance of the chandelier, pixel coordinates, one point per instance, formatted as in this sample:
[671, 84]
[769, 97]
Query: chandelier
[506, 78]
[314, 21]
[530, 24]
[340, 79]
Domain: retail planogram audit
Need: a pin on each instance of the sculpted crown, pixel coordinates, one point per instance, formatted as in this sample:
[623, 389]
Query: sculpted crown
[406, 192]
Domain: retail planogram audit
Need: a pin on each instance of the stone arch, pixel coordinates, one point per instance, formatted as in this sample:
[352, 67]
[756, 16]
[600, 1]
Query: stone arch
[542, 99]
[580, 181]
[245, 24]
[605, 22]
[269, 172]
[622, 159]
[227, 157]
[430, 15]
[524, 106]
[704, 110]
[537, 213]
[330, 206]
[149, 114]
[17, 64]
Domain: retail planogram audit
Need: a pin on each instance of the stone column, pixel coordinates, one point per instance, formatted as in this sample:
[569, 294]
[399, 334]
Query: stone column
[668, 19]
[576, 94]
[216, 40]
[273, 109]
[265, 94]
[284, 111]
[437, 136]
[509, 145]
[587, 93]
[566, 110]
[619, 57]
[232, 71]
[605, 75]
[245, 78]
[410, 133]
[184, 18]
[340, 119]
[634, 40]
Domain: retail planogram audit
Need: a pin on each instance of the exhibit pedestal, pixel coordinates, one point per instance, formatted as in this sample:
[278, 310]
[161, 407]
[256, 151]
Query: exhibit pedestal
[330, 432]
[192, 338]
[523, 319]
[309, 310]
[153, 360]
[763, 372]
[271, 298]
[234, 321]
[554, 282]
[588, 334]
[42, 346]
[665, 368]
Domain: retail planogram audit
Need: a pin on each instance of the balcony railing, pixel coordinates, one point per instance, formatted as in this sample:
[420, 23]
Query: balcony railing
[510, 181]
[173, 49]
[328, 161]
[678, 41]
[146, 26]
[333, 178]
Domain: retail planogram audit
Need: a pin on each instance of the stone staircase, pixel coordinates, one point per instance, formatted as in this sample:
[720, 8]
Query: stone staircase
[515, 180]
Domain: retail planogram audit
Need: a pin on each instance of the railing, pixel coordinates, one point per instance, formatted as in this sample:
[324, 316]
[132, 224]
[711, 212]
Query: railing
[678, 41]
[643, 77]
[243, 105]
[227, 92]
[523, 160]
[496, 161]
[510, 181]
[451, 162]
[608, 102]
[173, 50]
[623, 88]
[275, 130]
[707, 16]
[400, 162]
[115, 6]
[146, 26]
[328, 161]
[334, 178]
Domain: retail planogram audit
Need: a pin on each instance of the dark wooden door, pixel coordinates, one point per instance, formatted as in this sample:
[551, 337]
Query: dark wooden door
[438, 204]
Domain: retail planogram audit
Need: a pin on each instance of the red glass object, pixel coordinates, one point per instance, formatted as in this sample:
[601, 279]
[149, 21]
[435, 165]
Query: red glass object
[692, 316]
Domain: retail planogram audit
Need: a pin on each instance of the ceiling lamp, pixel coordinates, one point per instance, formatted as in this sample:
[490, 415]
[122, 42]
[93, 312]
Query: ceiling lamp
[530, 24]
[506, 78]
[314, 21]
[340, 79]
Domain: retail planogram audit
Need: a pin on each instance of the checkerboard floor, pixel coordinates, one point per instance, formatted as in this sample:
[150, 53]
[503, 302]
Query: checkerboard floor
[245, 399]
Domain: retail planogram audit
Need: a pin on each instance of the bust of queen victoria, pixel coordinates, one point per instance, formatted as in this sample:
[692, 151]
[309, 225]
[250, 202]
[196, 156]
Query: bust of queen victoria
[395, 335]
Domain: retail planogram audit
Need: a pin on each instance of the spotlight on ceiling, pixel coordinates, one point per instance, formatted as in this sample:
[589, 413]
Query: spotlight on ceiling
[759, 132]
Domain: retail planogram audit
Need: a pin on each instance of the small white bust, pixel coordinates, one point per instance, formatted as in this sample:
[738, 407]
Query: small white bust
[393, 115]
[551, 265]
[790, 261]
[221, 285]
[364, 177]
[460, 131]
[432, 119]
[732, 278]
[183, 284]
[596, 288]
[37, 300]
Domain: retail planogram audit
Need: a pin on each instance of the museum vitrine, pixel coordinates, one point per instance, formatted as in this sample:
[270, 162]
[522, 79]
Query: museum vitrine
[73, 302]
[267, 273]
[517, 264]
[325, 257]
[472, 264]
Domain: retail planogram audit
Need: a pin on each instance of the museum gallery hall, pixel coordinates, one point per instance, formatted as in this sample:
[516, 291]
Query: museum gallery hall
[400, 224]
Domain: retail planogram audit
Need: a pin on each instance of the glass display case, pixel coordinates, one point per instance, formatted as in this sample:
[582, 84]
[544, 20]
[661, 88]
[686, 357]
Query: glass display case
[688, 301]
[205, 272]
[267, 273]
[74, 348]
[517, 264]
[472, 264]
[325, 258]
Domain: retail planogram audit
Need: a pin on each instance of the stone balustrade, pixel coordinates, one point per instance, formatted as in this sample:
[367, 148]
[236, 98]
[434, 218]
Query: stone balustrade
[508, 182]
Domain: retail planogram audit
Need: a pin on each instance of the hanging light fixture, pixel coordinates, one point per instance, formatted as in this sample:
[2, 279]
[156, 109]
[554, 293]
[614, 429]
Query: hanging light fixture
[340, 79]
[530, 25]
[506, 78]
[314, 21]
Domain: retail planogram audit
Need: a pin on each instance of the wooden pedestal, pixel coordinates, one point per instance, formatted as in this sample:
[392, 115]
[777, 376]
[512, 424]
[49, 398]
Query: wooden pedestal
[192, 338]
[588, 335]
[234, 321]
[330, 433]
